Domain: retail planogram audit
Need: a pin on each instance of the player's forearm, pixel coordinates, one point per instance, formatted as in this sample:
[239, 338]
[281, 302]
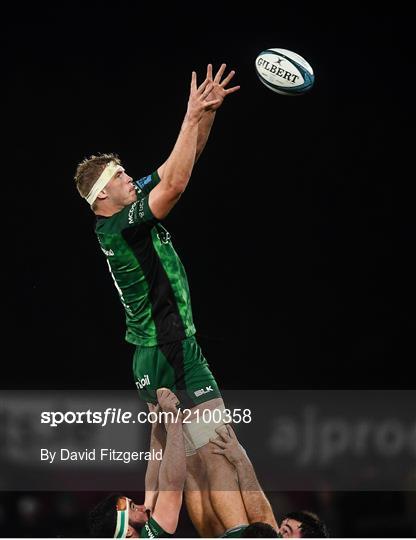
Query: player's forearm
[179, 165]
[157, 443]
[151, 483]
[152, 475]
[255, 501]
[258, 508]
[204, 129]
[173, 468]
[246, 475]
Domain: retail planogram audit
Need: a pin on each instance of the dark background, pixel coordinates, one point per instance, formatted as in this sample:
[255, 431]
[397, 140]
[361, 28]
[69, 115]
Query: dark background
[296, 229]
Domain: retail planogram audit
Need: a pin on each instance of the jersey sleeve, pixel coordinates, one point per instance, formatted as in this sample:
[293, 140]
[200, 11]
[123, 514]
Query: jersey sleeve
[146, 184]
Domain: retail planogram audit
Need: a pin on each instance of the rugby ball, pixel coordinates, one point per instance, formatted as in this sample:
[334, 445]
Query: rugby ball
[284, 72]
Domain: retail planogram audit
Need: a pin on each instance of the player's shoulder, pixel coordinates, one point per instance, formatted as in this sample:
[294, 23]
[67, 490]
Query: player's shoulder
[117, 222]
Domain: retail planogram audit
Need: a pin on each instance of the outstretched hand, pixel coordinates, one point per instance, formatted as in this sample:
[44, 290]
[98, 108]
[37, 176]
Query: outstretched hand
[218, 91]
[209, 95]
[198, 103]
[168, 401]
[227, 444]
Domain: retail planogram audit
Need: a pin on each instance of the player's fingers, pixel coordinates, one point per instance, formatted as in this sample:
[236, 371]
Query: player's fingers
[218, 442]
[217, 451]
[193, 81]
[231, 90]
[209, 72]
[228, 78]
[207, 91]
[223, 433]
[169, 396]
[203, 86]
[222, 429]
[231, 432]
[220, 73]
[209, 104]
[173, 399]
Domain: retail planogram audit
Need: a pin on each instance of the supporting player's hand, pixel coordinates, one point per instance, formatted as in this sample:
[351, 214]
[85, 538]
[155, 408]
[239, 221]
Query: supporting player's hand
[218, 90]
[198, 103]
[227, 444]
[153, 408]
[167, 400]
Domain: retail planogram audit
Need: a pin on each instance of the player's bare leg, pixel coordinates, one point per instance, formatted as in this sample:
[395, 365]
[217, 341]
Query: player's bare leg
[198, 501]
[224, 491]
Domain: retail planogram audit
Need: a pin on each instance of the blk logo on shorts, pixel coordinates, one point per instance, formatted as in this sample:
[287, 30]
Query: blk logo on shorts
[143, 382]
[203, 391]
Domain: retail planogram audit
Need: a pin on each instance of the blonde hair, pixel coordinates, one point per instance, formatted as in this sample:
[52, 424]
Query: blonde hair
[89, 170]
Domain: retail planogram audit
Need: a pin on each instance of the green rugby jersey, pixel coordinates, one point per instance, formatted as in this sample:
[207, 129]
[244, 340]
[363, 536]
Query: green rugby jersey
[237, 532]
[147, 272]
[152, 529]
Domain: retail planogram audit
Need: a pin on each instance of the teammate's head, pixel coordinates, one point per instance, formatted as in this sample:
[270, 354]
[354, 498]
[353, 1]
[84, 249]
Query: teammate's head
[259, 530]
[303, 524]
[103, 518]
[114, 186]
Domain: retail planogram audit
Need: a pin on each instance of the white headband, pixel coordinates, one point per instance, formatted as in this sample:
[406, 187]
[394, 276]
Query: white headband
[122, 521]
[107, 174]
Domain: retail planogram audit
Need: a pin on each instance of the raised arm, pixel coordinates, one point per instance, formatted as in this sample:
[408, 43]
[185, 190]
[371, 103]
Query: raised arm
[218, 92]
[255, 501]
[157, 442]
[176, 171]
[172, 471]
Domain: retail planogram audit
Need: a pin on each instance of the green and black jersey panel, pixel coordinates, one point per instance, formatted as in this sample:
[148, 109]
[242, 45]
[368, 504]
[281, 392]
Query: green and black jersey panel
[152, 529]
[179, 366]
[147, 273]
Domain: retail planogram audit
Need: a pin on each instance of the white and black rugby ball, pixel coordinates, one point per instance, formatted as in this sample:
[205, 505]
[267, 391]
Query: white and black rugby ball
[284, 72]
